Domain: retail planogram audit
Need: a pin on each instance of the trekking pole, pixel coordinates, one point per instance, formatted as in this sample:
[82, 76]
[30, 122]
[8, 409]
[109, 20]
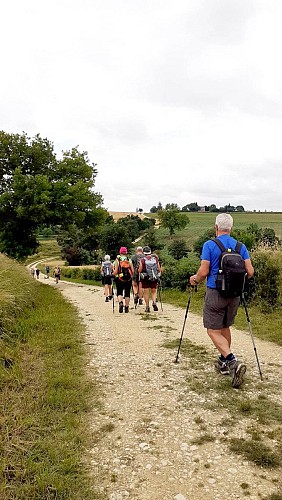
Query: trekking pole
[160, 295]
[251, 333]
[185, 317]
[113, 293]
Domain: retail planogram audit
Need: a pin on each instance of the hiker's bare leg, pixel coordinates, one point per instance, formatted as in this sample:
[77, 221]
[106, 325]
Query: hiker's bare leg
[154, 294]
[120, 298]
[221, 339]
[135, 287]
[140, 291]
[127, 300]
[146, 296]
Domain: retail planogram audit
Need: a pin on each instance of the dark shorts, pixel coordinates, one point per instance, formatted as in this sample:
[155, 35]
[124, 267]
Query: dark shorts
[136, 277]
[149, 284]
[107, 280]
[123, 286]
[219, 312]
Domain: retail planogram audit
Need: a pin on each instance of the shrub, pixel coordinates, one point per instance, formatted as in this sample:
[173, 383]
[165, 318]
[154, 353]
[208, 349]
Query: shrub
[267, 264]
[178, 249]
[176, 273]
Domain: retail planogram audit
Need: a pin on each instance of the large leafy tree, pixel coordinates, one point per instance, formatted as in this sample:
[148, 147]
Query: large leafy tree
[173, 220]
[38, 190]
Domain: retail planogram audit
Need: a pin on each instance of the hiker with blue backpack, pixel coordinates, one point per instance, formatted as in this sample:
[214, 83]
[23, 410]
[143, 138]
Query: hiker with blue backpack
[226, 264]
[107, 276]
[123, 272]
[150, 272]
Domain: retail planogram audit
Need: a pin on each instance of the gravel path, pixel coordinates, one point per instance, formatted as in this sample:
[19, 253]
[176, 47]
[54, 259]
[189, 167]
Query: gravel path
[150, 418]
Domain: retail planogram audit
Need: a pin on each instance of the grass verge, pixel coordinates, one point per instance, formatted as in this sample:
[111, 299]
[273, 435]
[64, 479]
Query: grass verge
[45, 396]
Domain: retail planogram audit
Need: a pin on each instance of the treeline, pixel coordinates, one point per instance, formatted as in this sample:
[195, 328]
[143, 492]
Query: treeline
[194, 207]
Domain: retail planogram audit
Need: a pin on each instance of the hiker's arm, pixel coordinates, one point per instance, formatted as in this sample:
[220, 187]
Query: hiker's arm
[140, 267]
[201, 274]
[249, 268]
[115, 271]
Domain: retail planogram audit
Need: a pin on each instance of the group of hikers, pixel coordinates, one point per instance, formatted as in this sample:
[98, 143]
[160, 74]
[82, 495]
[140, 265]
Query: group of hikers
[141, 273]
[35, 272]
[225, 265]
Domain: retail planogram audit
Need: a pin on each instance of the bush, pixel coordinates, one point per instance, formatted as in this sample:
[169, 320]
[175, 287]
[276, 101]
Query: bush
[176, 273]
[267, 264]
[178, 249]
[83, 273]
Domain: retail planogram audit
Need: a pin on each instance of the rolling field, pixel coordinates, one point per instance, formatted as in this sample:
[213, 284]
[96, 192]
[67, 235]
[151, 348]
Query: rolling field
[200, 222]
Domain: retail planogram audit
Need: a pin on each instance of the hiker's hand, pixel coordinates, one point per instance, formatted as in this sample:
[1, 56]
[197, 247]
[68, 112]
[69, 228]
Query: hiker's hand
[193, 280]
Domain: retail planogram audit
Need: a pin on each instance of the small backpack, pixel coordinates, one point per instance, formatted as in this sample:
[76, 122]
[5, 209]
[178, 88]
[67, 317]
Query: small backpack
[124, 270]
[107, 268]
[136, 260]
[231, 276]
[151, 267]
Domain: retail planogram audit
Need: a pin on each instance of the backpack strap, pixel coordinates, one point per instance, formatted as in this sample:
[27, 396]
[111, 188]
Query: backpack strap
[219, 244]
[238, 246]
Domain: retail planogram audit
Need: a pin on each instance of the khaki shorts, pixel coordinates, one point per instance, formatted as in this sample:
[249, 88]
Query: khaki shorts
[219, 312]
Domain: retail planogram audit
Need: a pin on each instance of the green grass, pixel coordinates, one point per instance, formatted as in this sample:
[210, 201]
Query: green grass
[200, 222]
[255, 452]
[251, 409]
[45, 395]
[265, 326]
[47, 248]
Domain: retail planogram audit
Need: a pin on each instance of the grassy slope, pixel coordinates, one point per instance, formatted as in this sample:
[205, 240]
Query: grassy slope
[45, 396]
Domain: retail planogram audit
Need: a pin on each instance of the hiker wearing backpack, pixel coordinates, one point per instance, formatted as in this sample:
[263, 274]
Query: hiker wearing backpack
[107, 275]
[150, 272]
[225, 263]
[123, 272]
[136, 282]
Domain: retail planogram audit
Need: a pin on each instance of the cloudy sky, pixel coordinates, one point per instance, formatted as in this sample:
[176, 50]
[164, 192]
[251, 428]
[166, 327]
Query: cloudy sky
[175, 100]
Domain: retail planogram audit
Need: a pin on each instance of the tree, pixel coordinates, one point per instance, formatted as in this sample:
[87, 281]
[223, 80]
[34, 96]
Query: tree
[172, 206]
[150, 239]
[213, 208]
[240, 208]
[191, 207]
[112, 237]
[173, 220]
[36, 189]
[154, 209]
[178, 249]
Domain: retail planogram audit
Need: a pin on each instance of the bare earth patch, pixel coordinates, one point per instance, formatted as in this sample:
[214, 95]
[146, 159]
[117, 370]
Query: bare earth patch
[165, 430]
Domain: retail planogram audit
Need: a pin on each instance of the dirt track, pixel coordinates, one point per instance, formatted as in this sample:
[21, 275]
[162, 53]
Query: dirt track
[150, 416]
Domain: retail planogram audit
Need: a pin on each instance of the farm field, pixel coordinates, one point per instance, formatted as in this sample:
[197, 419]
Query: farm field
[200, 222]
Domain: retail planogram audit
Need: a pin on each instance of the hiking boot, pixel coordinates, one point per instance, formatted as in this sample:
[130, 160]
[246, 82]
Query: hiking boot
[155, 307]
[140, 302]
[110, 297]
[147, 310]
[221, 367]
[120, 307]
[237, 371]
[136, 299]
[126, 309]
[107, 299]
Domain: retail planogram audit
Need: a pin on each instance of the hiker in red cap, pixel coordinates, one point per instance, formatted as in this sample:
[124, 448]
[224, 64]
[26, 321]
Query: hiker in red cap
[123, 271]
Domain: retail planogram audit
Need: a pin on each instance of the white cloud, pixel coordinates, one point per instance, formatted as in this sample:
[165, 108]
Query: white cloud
[175, 101]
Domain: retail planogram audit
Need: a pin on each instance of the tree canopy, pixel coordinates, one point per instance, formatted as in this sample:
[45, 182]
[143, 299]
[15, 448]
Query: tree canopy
[173, 220]
[38, 190]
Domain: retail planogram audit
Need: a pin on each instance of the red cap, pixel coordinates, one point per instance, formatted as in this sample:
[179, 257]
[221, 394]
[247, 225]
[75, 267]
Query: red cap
[123, 250]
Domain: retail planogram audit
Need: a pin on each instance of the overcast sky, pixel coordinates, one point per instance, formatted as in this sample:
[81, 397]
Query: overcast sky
[175, 100]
